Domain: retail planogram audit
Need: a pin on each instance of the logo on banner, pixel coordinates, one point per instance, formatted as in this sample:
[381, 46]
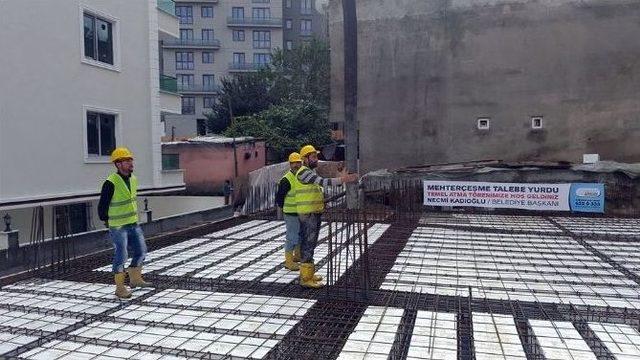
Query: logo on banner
[587, 197]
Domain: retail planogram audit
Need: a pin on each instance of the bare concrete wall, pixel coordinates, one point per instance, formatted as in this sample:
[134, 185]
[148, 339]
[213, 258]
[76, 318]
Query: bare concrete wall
[428, 69]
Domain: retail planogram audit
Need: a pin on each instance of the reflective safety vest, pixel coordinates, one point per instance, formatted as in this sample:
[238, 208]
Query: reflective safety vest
[123, 209]
[309, 197]
[290, 200]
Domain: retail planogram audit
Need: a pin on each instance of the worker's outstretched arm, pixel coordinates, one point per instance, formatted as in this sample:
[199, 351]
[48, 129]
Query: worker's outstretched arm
[307, 176]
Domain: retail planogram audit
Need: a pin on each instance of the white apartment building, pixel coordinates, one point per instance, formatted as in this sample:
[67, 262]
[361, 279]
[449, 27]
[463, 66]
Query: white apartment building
[217, 39]
[80, 77]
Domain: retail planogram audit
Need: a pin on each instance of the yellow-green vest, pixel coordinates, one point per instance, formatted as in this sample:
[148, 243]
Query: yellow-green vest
[123, 209]
[289, 206]
[309, 197]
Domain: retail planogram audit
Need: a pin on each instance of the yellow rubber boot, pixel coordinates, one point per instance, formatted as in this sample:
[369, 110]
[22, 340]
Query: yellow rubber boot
[296, 253]
[121, 290]
[307, 278]
[135, 278]
[289, 263]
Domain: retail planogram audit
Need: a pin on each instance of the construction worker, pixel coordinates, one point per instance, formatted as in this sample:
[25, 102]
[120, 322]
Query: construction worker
[118, 208]
[310, 205]
[285, 200]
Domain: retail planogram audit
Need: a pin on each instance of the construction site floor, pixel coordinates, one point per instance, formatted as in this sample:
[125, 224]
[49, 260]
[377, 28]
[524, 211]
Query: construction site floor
[441, 286]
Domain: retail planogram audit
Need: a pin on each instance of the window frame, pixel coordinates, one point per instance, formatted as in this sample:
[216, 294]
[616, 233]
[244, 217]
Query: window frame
[100, 159]
[210, 34]
[210, 54]
[204, 102]
[190, 63]
[115, 38]
[194, 105]
[186, 17]
[263, 10]
[236, 31]
[202, 13]
[240, 10]
[261, 42]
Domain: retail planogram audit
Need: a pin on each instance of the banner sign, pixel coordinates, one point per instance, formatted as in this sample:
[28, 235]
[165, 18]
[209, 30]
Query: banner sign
[587, 197]
[551, 197]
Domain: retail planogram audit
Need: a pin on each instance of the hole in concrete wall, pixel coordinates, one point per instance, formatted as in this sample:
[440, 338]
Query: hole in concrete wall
[484, 123]
[536, 122]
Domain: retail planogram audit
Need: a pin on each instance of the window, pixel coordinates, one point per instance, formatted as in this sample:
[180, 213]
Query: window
[101, 133]
[207, 34]
[261, 13]
[238, 35]
[185, 81]
[71, 219]
[289, 45]
[238, 58]
[98, 39]
[237, 13]
[287, 4]
[184, 61]
[536, 122]
[206, 12]
[305, 27]
[484, 123]
[262, 59]
[201, 127]
[207, 57]
[288, 24]
[186, 34]
[208, 102]
[185, 13]
[170, 161]
[208, 82]
[188, 105]
[261, 39]
[305, 7]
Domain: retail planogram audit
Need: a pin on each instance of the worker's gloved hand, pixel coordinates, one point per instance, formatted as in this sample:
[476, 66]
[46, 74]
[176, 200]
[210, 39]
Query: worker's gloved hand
[349, 178]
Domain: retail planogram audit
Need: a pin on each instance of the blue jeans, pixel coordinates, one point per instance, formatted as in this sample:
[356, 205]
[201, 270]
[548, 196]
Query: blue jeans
[294, 232]
[127, 238]
[310, 225]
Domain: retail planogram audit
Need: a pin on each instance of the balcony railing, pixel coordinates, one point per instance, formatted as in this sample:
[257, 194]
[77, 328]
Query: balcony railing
[306, 11]
[198, 88]
[203, 43]
[168, 84]
[247, 66]
[271, 22]
[168, 6]
[306, 32]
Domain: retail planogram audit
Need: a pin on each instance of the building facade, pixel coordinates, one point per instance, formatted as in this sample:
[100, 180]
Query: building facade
[93, 83]
[207, 161]
[303, 20]
[471, 80]
[216, 39]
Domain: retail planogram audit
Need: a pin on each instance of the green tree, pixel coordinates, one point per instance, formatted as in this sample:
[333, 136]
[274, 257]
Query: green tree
[240, 95]
[286, 127]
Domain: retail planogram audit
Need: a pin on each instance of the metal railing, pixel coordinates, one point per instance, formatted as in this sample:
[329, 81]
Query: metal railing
[247, 21]
[198, 88]
[168, 6]
[213, 43]
[168, 83]
[306, 32]
[247, 66]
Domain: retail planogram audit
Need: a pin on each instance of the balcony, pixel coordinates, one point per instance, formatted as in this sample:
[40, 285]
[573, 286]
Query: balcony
[254, 22]
[198, 89]
[169, 97]
[246, 67]
[192, 44]
[167, 21]
[306, 32]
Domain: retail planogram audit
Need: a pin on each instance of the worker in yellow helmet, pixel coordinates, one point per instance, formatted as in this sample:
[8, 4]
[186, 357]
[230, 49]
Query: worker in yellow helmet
[310, 205]
[118, 208]
[285, 200]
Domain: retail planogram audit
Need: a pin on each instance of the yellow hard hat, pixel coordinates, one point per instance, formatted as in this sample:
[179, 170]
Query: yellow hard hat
[121, 153]
[295, 157]
[307, 149]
